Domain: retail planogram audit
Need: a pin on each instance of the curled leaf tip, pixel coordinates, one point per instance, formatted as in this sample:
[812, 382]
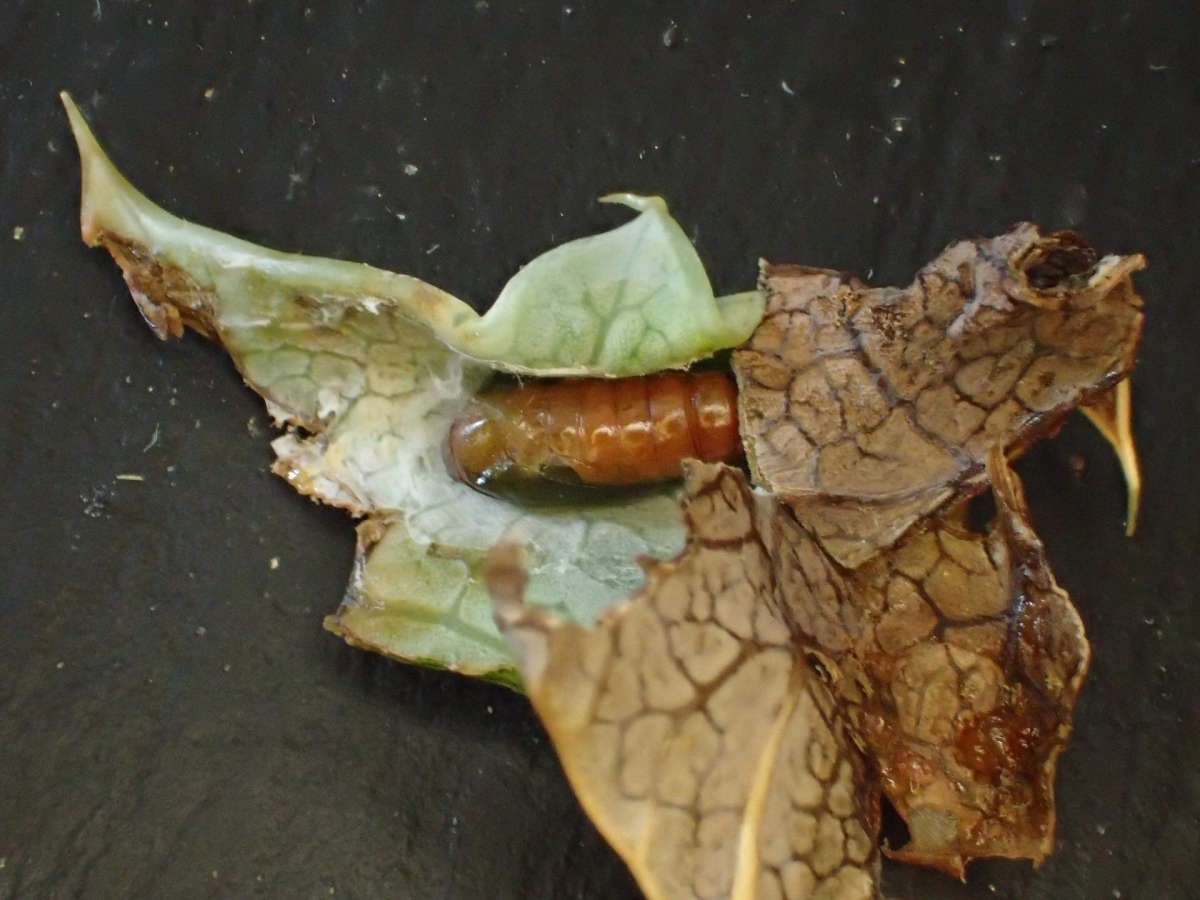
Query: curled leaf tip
[640, 202]
[89, 152]
[108, 201]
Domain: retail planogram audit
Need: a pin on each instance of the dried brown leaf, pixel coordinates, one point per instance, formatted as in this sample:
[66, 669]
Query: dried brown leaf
[702, 745]
[953, 660]
[959, 660]
[869, 408]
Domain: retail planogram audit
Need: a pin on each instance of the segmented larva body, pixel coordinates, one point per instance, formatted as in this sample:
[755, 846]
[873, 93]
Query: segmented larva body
[621, 431]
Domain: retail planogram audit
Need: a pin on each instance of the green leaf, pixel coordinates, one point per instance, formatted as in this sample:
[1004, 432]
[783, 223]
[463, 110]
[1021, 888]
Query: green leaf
[351, 355]
[630, 301]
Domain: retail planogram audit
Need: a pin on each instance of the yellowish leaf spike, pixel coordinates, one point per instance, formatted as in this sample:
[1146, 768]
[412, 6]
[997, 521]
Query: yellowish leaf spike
[1111, 413]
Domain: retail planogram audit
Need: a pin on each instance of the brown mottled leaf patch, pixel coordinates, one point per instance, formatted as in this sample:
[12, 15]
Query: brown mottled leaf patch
[959, 660]
[704, 747]
[953, 660]
[868, 408]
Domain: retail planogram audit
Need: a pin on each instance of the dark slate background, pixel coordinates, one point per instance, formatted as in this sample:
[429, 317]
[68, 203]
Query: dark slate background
[173, 721]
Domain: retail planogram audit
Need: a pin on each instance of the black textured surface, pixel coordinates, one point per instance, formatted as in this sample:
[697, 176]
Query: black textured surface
[174, 723]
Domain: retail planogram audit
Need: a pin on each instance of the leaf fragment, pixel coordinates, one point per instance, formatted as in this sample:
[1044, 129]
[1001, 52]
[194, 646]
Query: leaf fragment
[630, 301]
[959, 661]
[869, 408]
[706, 750]
[355, 361]
[953, 662]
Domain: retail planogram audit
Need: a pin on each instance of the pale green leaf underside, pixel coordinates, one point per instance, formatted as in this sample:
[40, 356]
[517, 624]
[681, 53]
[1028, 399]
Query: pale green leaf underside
[630, 301]
[428, 603]
[350, 353]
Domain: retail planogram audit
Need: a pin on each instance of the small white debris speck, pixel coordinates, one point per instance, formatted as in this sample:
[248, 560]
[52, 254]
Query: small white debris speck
[410, 169]
[130, 476]
[60, 664]
[209, 93]
[489, 709]
[787, 89]
[432, 249]
[201, 631]
[226, 667]
[274, 563]
[895, 82]
[18, 233]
